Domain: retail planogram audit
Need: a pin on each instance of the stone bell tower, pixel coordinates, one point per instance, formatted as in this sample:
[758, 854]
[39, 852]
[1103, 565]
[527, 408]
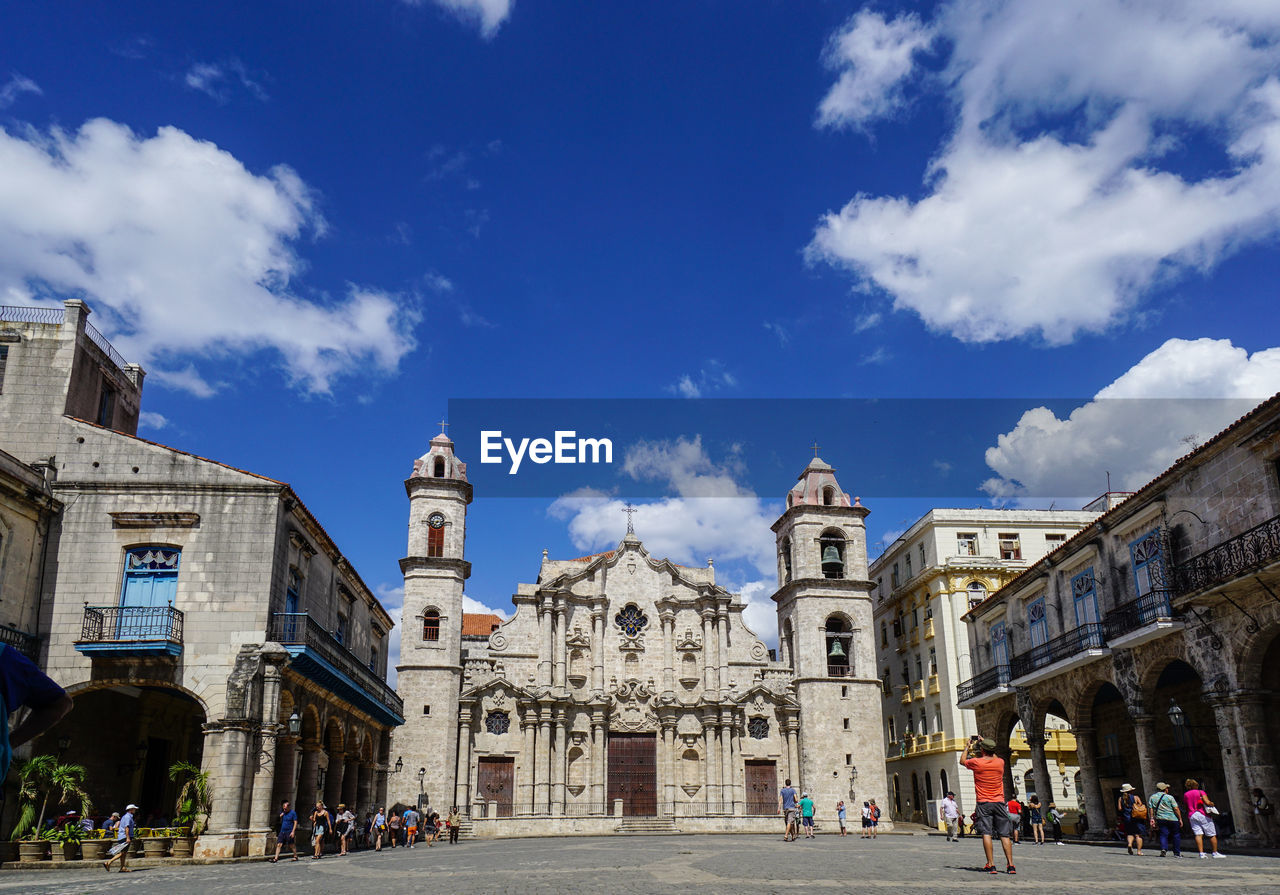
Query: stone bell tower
[430, 669]
[825, 635]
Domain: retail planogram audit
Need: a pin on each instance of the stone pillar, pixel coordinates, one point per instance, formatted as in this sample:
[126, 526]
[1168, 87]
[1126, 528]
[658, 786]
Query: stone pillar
[709, 762]
[1257, 752]
[226, 751]
[562, 650]
[735, 763]
[722, 646]
[542, 788]
[544, 641]
[793, 756]
[262, 811]
[286, 773]
[1144, 731]
[560, 754]
[364, 789]
[462, 780]
[1094, 804]
[673, 766]
[306, 798]
[333, 779]
[726, 763]
[350, 782]
[668, 651]
[1233, 770]
[380, 786]
[1039, 766]
[597, 650]
[602, 767]
[528, 762]
[708, 655]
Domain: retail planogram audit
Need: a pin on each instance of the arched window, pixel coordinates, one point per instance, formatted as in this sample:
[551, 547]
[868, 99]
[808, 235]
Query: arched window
[977, 593]
[435, 541]
[839, 642]
[786, 560]
[828, 496]
[431, 625]
[942, 779]
[831, 551]
[928, 786]
[439, 468]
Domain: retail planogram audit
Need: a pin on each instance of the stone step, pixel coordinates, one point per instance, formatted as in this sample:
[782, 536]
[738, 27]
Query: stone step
[647, 825]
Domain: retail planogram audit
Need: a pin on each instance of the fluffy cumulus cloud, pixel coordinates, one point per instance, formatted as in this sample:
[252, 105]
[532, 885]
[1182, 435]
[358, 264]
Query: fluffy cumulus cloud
[1065, 191]
[487, 15]
[709, 515]
[1174, 399]
[873, 57]
[184, 254]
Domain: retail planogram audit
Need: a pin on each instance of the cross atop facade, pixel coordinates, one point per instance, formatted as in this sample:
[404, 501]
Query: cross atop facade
[815, 449]
[629, 510]
[443, 427]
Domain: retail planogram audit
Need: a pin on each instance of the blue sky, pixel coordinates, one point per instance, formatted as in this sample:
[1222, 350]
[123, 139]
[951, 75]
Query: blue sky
[315, 224]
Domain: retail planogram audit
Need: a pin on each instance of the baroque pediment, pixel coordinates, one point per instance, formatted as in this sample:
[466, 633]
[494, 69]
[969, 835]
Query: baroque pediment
[631, 705]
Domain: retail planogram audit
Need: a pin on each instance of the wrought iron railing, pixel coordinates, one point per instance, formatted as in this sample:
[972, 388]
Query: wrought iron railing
[1110, 766]
[1069, 644]
[101, 341]
[1232, 558]
[298, 628]
[125, 624]
[27, 644]
[19, 314]
[1139, 613]
[997, 676]
[1182, 758]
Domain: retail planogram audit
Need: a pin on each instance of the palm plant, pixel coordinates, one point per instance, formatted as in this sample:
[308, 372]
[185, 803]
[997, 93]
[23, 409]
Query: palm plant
[39, 778]
[194, 803]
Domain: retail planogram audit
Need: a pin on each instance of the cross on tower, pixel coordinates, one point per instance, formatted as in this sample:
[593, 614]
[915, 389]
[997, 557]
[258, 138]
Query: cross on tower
[815, 449]
[629, 509]
[443, 426]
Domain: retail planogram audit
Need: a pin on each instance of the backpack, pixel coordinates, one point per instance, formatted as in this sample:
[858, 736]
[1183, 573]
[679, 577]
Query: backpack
[1137, 810]
[875, 812]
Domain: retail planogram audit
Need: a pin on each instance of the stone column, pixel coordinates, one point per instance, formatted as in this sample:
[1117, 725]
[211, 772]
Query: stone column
[1040, 766]
[560, 755]
[542, 788]
[462, 780]
[350, 782]
[739, 786]
[364, 789]
[722, 646]
[709, 763]
[668, 647]
[380, 786]
[286, 773]
[1233, 770]
[1094, 804]
[708, 655]
[1257, 752]
[1144, 731]
[726, 763]
[262, 811]
[310, 774]
[596, 795]
[527, 763]
[673, 766]
[793, 756]
[545, 657]
[562, 650]
[333, 779]
[597, 649]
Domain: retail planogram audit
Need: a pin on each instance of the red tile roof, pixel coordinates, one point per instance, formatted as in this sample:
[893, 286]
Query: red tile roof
[479, 624]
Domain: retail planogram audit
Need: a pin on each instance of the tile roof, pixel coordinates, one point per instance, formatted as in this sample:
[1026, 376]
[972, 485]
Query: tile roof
[479, 624]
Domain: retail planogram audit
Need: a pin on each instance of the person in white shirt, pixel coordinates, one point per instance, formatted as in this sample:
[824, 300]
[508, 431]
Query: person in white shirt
[951, 814]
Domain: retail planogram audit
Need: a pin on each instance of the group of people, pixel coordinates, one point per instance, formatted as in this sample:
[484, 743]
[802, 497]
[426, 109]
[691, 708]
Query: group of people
[1135, 818]
[797, 811]
[1029, 819]
[379, 827]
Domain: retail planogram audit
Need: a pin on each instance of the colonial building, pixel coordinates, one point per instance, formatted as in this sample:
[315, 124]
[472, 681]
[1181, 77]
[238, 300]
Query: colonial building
[626, 688]
[1154, 633]
[195, 611]
[949, 560]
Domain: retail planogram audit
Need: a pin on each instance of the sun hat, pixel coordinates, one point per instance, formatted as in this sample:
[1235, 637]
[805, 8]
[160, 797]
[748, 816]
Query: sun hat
[1128, 787]
[1162, 786]
[131, 807]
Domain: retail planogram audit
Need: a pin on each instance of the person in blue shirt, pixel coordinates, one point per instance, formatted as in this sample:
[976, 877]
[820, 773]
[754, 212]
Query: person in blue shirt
[288, 832]
[840, 814]
[787, 808]
[23, 684]
[124, 841]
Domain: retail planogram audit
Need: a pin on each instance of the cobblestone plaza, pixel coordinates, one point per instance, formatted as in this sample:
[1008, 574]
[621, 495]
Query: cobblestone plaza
[669, 864]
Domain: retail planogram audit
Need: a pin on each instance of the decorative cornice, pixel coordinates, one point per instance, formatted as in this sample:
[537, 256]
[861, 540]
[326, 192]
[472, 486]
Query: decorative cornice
[155, 520]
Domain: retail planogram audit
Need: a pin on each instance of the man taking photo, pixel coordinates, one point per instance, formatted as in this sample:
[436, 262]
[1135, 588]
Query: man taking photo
[992, 815]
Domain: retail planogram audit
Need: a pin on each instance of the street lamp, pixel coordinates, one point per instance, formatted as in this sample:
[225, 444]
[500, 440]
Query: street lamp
[422, 775]
[295, 724]
[1176, 715]
[399, 765]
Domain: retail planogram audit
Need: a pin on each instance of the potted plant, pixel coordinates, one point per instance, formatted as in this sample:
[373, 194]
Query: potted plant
[94, 845]
[39, 777]
[155, 841]
[191, 812]
[65, 842]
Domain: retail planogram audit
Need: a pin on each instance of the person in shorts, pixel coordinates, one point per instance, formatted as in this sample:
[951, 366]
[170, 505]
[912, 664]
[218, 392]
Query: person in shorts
[1199, 815]
[806, 815]
[841, 815]
[992, 813]
[288, 832]
[411, 818]
[875, 818]
[866, 820]
[787, 808]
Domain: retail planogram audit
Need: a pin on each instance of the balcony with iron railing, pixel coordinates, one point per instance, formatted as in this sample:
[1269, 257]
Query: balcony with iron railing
[1234, 558]
[131, 631]
[321, 657]
[26, 644]
[983, 687]
[1076, 647]
[1138, 621]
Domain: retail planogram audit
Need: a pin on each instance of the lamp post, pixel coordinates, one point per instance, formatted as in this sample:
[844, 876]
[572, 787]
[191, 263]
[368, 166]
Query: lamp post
[295, 724]
[399, 765]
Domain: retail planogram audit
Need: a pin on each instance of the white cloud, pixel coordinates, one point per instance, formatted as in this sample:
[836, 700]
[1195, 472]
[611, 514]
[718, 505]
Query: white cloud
[867, 320]
[711, 378]
[391, 596]
[216, 79]
[1057, 203]
[880, 355]
[873, 57]
[15, 87]
[1177, 396]
[779, 331]
[478, 608]
[438, 282]
[487, 15]
[150, 420]
[184, 253]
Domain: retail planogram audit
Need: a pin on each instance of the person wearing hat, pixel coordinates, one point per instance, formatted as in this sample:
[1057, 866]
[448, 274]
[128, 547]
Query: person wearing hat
[124, 840]
[806, 815]
[951, 815]
[1167, 817]
[992, 814]
[1133, 816]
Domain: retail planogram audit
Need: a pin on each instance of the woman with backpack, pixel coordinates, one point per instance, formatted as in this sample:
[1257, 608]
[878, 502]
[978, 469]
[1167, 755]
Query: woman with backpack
[1132, 814]
[1055, 823]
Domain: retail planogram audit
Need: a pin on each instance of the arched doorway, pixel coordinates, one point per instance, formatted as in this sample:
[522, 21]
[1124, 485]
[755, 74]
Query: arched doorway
[1116, 747]
[913, 807]
[1186, 729]
[127, 738]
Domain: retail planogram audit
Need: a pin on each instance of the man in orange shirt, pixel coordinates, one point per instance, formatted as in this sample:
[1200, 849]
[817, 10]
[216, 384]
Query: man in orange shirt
[992, 815]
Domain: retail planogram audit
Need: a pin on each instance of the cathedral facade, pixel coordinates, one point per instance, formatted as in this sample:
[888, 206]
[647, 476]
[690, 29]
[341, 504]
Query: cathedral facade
[626, 690]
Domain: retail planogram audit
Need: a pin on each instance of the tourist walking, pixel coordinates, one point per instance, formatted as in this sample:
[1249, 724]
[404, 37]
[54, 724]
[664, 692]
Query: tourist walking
[1263, 811]
[840, 816]
[454, 821]
[1200, 812]
[1014, 808]
[287, 833]
[320, 824]
[379, 829]
[992, 814]
[125, 832]
[866, 820]
[1167, 817]
[875, 818]
[345, 824]
[806, 815]
[787, 808]
[1132, 814]
[1055, 823]
[411, 818]
[951, 816]
[393, 829]
[1036, 818]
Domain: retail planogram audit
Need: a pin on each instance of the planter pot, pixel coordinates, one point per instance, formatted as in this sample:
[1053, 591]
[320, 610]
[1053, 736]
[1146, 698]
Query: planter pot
[155, 847]
[65, 851]
[95, 849]
[183, 848]
[32, 851]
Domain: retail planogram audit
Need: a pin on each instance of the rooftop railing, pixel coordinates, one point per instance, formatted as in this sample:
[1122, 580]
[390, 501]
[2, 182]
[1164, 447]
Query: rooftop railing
[300, 629]
[17, 314]
[100, 340]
